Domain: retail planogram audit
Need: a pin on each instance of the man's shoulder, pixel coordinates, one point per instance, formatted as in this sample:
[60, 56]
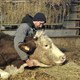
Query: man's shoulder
[24, 25]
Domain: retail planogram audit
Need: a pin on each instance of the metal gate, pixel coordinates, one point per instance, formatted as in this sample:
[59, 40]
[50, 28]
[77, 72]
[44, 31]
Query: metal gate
[14, 10]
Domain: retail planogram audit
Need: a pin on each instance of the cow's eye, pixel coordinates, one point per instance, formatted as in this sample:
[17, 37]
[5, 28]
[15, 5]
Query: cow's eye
[46, 45]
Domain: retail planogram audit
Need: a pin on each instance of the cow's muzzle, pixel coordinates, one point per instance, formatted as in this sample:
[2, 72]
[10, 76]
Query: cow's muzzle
[61, 59]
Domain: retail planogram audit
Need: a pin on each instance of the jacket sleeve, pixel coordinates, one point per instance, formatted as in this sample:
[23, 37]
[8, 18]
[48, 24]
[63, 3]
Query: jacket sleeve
[19, 39]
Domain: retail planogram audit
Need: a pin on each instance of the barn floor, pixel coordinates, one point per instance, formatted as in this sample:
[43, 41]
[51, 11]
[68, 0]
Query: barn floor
[68, 71]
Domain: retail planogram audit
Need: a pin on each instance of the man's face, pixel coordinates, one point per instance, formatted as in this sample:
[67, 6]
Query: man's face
[39, 24]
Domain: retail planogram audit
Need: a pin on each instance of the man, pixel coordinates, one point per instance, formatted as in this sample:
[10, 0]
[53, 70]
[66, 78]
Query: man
[28, 27]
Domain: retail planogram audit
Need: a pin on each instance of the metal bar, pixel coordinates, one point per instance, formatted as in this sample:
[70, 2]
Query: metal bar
[77, 36]
[9, 24]
[61, 32]
[54, 24]
[16, 1]
[1, 18]
[73, 28]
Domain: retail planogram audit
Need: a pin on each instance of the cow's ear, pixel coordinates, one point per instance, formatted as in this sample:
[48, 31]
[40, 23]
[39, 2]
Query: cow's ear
[24, 47]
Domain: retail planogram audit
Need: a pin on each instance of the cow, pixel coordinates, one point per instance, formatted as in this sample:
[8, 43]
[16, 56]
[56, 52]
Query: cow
[42, 49]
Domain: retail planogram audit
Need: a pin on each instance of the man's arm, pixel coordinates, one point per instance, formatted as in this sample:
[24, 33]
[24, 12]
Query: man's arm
[19, 39]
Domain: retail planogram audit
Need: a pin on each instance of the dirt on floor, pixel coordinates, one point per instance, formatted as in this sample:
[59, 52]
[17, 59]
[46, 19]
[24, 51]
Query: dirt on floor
[69, 71]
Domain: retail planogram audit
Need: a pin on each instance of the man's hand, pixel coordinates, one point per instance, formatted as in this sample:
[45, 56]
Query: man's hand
[29, 63]
[34, 62]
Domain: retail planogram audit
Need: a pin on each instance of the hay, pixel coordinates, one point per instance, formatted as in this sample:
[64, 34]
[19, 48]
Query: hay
[70, 71]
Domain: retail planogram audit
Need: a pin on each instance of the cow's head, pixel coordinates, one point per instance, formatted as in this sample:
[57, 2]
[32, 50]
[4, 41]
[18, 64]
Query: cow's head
[44, 50]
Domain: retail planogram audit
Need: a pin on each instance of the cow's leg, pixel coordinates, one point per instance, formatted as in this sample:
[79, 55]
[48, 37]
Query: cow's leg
[13, 70]
[4, 74]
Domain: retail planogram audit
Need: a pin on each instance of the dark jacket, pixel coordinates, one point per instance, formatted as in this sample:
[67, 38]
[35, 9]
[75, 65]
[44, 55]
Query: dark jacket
[26, 28]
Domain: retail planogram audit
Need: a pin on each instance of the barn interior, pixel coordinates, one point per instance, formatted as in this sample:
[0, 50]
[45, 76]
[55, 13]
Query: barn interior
[63, 26]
